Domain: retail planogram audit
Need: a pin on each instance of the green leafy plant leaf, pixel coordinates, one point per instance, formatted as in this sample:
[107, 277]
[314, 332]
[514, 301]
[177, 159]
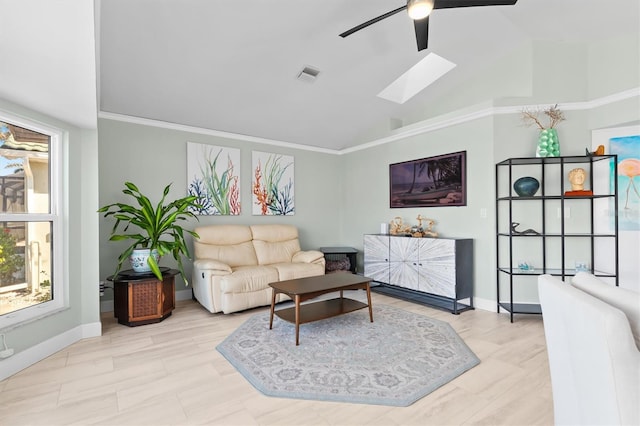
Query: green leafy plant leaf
[155, 228]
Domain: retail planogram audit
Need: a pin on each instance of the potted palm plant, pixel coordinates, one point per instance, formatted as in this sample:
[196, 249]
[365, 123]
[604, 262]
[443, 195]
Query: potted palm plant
[158, 229]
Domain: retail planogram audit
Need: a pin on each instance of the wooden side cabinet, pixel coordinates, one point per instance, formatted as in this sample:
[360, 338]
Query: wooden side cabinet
[139, 298]
[333, 254]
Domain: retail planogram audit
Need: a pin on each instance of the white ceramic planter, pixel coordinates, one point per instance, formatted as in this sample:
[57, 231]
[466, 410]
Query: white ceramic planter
[139, 258]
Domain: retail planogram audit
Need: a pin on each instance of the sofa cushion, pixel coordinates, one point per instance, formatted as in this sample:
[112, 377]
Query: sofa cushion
[273, 233]
[626, 300]
[275, 243]
[230, 244]
[224, 235]
[290, 271]
[270, 253]
[246, 279]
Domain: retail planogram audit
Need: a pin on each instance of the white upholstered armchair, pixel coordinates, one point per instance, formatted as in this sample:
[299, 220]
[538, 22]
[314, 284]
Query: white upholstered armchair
[593, 356]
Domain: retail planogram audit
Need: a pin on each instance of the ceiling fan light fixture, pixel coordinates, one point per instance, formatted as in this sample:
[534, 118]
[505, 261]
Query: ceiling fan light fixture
[419, 9]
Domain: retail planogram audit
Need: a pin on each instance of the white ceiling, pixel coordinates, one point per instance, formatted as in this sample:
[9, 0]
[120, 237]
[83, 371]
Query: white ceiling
[47, 58]
[231, 65]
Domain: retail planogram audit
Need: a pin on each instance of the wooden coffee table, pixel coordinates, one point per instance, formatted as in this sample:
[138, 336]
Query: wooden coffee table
[302, 289]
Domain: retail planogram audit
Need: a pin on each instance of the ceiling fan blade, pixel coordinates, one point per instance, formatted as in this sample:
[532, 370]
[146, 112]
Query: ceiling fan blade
[422, 32]
[372, 21]
[447, 4]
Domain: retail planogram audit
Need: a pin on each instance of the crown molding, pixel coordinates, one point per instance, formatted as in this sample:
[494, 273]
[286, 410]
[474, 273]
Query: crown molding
[203, 131]
[447, 120]
[462, 116]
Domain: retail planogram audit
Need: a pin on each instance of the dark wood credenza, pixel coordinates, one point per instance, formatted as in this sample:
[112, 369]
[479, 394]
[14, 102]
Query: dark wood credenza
[140, 298]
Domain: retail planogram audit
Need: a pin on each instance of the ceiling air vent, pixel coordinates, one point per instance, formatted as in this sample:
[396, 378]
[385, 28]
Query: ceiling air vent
[308, 74]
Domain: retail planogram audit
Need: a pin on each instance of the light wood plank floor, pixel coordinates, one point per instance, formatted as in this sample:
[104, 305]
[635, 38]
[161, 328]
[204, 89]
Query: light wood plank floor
[171, 374]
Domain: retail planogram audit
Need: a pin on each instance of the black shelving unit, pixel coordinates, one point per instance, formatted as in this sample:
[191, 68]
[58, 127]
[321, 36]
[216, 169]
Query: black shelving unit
[549, 247]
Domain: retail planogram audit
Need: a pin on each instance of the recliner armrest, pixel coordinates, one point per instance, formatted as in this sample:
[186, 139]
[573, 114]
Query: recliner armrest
[212, 265]
[308, 256]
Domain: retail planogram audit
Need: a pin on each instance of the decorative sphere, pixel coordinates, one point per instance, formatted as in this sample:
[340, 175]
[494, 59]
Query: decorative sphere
[526, 186]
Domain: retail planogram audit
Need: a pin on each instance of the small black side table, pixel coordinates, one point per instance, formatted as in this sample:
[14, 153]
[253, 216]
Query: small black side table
[337, 253]
[139, 298]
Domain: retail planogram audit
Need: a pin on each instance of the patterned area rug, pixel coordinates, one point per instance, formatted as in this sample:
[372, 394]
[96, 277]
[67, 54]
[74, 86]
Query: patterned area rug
[396, 360]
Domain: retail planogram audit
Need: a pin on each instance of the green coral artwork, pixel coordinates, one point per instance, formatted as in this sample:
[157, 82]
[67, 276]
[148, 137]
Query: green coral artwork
[213, 177]
[272, 184]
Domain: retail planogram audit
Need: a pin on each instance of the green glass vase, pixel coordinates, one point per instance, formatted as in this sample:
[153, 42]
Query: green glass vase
[548, 144]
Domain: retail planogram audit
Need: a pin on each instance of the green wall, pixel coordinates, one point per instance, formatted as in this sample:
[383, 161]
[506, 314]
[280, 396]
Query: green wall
[551, 73]
[152, 157]
[369, 207]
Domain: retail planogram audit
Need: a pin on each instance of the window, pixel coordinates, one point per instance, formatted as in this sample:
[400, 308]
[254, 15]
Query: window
[29, 221]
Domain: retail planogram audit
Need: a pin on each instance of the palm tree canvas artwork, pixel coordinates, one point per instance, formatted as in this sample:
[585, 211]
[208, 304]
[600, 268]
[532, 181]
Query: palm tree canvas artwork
[429, 182]
[212, 176]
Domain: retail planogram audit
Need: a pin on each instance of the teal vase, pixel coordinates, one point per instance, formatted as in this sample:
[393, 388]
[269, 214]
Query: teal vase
[548, 144]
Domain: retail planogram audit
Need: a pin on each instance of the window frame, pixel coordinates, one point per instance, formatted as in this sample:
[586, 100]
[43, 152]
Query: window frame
[55, 216]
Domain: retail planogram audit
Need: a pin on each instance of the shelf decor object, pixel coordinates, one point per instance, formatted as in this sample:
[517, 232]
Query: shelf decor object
[577, 177]
[526, 186]
[548, 143]
[563, 234]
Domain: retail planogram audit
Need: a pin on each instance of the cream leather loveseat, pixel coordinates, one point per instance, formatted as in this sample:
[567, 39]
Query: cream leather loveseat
[234, 264]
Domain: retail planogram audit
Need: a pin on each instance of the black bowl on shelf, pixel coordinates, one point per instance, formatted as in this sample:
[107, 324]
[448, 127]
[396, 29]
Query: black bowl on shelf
[526, 186]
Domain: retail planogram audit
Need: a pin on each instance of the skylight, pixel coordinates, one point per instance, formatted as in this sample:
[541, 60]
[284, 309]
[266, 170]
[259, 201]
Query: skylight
[418, 77]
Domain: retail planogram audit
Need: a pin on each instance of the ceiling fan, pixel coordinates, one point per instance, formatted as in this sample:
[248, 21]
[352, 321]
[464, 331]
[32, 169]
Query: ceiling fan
[419, 11]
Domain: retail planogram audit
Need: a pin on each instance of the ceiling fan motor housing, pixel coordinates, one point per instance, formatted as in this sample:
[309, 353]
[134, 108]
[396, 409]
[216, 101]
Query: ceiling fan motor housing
[419, 11]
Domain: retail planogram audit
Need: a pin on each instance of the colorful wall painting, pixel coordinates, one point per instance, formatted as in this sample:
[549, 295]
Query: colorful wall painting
[212, 176]
[627, 148]
[273, 189]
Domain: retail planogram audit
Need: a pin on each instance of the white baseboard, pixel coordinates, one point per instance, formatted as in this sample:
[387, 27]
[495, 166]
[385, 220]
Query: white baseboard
[21, 360]
[484, 304]
[183, 294]
[106, 305]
